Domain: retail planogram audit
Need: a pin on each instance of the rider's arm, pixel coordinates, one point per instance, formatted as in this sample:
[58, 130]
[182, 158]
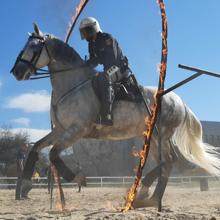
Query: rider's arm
[92, 61]
[111, 51]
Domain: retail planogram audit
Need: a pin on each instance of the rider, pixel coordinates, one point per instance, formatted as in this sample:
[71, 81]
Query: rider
[104, 49]
[21, 192]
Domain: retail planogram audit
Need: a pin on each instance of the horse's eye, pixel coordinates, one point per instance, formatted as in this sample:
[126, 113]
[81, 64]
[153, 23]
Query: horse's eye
[33, 45]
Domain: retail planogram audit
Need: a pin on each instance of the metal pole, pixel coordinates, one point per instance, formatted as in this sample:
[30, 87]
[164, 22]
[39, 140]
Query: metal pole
[51, 173]
[81, 7]
[159, 158]
[182, 83]
[198, 73]
[51, 187]
[198, 70]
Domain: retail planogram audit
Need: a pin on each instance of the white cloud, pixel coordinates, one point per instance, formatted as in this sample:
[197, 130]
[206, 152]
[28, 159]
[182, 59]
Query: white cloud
[38, 101]
[22, 121]
[0, 84]
[34, 134]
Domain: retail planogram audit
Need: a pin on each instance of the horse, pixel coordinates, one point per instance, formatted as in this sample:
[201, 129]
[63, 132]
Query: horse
[75, 106]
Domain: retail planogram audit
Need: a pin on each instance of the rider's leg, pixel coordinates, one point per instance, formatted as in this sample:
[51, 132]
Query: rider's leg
[106, 99]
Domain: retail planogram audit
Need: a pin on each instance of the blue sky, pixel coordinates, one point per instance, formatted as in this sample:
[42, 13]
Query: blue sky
[194, 30]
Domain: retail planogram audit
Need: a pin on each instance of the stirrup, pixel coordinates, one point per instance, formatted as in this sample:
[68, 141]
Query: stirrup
[103, 121]
[107, 121]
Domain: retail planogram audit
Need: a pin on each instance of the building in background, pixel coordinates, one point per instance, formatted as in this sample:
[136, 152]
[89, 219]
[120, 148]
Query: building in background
[211, 133]
[114, 158]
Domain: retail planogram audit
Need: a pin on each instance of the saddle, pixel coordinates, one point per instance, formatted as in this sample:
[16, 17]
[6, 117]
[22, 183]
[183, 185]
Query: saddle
[125, 90]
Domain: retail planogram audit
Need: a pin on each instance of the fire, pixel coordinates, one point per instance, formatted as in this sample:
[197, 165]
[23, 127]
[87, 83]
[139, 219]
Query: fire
[60, 204]
[74, 18]
[149, 121]
[155, 108]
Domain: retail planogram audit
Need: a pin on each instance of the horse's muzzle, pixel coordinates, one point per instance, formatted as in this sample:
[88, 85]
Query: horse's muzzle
[21, 71]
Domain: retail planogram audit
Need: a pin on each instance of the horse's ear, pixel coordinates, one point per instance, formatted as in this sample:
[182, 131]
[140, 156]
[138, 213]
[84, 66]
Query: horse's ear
[37, 30]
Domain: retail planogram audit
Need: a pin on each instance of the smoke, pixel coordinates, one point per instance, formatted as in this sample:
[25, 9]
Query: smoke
[56, 15]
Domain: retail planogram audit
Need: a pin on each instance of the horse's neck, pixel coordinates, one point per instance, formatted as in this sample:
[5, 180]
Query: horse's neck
[65, 67]
[64, 81]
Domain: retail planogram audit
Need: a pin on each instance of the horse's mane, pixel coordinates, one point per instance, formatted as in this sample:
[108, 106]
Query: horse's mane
[62, 51]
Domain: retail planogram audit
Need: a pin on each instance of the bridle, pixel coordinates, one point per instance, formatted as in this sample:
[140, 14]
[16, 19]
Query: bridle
[34, 59]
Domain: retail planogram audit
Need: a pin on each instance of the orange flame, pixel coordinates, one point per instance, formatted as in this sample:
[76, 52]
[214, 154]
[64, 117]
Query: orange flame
[155, 108]
[74, 18]
[60, 204]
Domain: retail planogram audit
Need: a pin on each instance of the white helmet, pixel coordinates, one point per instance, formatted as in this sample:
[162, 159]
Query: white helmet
[89, 27]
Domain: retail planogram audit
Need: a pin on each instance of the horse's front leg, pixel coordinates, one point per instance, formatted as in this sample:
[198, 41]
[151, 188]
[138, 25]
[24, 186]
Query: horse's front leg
[61, 167]
[33, 155]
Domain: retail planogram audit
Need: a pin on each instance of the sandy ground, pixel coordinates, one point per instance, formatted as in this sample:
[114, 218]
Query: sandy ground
[100, 203]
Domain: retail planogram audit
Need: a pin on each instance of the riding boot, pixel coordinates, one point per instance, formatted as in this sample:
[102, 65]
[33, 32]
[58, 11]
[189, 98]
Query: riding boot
[106, 109]
[107, 94]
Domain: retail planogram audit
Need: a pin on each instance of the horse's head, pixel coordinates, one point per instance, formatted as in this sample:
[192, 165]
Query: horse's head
[32, 57]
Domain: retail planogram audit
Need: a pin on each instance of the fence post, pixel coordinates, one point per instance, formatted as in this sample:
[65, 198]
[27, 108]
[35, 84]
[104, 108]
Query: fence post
[204, 184]
[101, 182]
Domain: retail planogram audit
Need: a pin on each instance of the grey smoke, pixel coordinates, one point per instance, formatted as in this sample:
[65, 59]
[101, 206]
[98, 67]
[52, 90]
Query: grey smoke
[56, 13]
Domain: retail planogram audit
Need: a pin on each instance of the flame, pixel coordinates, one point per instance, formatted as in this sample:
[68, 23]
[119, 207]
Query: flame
[151, 120]
[59, 206]
[61, 203]
[74, 18]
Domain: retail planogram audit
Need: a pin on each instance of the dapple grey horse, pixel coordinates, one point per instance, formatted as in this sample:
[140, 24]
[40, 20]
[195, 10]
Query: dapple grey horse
[75, 106]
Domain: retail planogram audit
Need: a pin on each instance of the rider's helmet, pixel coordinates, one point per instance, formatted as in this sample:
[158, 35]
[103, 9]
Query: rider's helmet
[89, 27]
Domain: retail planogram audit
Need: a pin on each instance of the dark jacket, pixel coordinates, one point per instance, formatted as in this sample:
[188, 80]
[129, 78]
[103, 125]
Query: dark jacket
[106, 51]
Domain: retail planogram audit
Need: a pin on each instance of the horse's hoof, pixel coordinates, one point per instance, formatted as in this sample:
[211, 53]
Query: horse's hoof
[143, 198]
[143, 193]
[142, 203]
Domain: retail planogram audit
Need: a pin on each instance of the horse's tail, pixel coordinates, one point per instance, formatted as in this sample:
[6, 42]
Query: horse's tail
[188, 139]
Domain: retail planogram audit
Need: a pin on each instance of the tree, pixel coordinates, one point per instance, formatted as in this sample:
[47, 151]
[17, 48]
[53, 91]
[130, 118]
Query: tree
[10, 143]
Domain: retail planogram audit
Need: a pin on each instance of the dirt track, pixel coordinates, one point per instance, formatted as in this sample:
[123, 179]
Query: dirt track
[100, 203]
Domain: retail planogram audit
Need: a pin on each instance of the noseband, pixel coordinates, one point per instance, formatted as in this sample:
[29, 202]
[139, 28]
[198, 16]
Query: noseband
[33, 61]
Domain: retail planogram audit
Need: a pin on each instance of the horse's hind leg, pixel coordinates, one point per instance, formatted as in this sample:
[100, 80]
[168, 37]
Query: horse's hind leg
[161, 186]
[143, 199]
[147, 181]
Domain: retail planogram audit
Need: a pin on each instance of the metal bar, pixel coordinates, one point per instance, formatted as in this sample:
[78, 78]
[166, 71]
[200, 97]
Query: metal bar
[199, 70]
[51, 187]
[159, 151]
[182, 83]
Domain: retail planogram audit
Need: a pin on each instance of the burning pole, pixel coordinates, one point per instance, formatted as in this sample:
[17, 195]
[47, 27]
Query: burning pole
[151, 120]
[56, 175]
[79, 9]
[58, 182]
